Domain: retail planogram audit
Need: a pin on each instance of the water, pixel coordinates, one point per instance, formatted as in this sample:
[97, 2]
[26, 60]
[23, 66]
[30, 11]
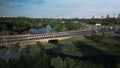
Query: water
[106, 60]
[41, 30]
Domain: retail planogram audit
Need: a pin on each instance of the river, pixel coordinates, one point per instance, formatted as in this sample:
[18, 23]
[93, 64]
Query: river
[41, 30]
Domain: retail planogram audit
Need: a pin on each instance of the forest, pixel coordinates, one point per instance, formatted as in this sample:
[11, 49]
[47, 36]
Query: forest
[22, 25]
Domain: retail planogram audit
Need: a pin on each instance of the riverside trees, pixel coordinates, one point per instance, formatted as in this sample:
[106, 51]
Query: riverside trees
[22, 25]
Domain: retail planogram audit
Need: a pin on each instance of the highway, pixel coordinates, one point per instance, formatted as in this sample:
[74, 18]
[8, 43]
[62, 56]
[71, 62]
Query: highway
[20, 38]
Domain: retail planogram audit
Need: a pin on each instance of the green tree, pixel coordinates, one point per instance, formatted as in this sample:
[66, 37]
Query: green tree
[70, 63]
[34, 50]
[57, 63]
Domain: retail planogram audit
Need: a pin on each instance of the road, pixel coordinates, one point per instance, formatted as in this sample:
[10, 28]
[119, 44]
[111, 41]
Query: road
[19, 38]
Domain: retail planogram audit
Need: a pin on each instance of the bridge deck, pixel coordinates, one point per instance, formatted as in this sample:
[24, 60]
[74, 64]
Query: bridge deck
[19, 38]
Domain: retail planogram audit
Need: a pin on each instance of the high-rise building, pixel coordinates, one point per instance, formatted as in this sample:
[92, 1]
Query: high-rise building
[119, 16]
[108, 16]
[93, 17]
[102, 17]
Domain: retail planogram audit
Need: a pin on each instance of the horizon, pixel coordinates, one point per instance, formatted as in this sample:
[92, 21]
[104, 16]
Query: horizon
[96, 17]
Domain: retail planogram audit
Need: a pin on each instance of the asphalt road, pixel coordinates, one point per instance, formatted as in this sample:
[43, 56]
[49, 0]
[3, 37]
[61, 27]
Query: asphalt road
[50, 35]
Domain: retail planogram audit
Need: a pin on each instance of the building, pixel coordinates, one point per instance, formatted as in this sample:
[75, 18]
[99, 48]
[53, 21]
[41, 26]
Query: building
[97, 24]
[119, 16]
[93, 17]
[107, 16]
[63, 22]
[102, 17]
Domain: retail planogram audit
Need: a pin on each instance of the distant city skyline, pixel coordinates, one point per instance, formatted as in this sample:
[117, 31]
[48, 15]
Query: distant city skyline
[99, 17]
[59, 8]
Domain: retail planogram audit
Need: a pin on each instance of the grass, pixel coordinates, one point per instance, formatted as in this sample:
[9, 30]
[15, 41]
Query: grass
[70, 49]
[107, 44]
[83, 45]
[72, 39]
[49, 46]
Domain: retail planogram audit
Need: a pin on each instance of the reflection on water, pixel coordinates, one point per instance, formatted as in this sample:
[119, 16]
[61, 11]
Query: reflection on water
[41, 30]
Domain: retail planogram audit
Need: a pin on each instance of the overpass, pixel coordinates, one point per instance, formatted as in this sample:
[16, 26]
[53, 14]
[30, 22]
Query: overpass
[47, 36]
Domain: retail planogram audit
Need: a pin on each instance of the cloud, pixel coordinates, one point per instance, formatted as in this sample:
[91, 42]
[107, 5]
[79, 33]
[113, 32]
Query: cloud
[21, 2]
[59, 8]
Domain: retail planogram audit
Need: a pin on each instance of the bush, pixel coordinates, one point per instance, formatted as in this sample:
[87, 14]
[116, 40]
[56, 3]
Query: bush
[96, 38]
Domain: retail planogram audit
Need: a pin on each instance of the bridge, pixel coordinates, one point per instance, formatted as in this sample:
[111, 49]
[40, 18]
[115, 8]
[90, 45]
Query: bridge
[47, 36]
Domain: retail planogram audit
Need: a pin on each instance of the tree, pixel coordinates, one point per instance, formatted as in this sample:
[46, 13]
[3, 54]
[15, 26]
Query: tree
[96, 38]
[70, 63]
[34, 50]
[57, 62]
[3, 64]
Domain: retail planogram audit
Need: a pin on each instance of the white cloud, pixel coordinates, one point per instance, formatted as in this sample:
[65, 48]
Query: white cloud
[63, 8]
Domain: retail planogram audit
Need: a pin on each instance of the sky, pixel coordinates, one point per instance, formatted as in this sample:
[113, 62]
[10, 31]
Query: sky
[59, 8]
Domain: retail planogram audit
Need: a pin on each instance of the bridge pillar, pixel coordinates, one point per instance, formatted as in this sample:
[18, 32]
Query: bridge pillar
[45, 40]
